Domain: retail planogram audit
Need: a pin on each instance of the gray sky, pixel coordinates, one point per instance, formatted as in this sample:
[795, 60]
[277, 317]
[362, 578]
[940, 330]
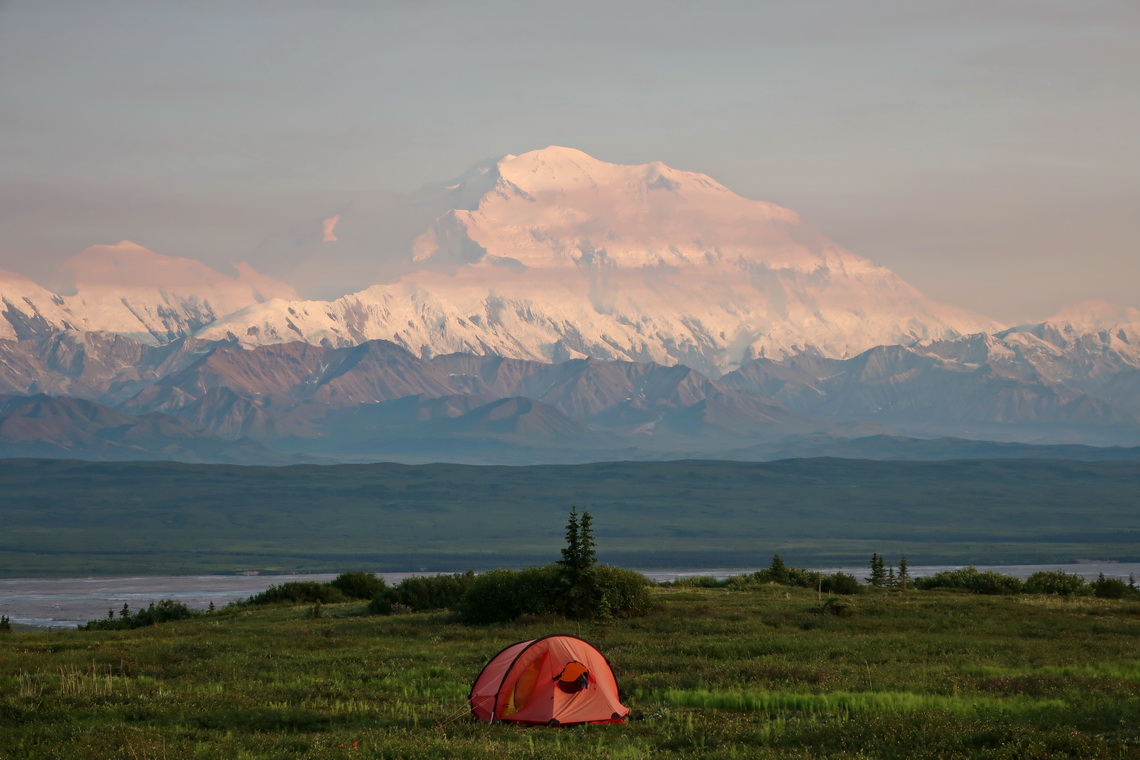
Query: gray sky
[986, 151]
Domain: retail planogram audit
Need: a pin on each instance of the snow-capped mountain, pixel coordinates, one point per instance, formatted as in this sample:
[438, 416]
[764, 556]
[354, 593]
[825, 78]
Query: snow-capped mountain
[553, 255]
[1073, 377]
[132, 291]
[550, 302]
[549, 255]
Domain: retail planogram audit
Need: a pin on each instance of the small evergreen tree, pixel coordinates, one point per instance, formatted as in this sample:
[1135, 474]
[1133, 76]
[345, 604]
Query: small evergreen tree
[903, 577]
[891, 577]
[581, 597]
[5, 624]
[125, 613]
[571, 553]
[587, 550]
[778, 571]
[878, 575]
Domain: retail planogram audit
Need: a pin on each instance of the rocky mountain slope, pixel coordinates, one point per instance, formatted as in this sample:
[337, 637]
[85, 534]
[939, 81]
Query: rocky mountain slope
[376, 400]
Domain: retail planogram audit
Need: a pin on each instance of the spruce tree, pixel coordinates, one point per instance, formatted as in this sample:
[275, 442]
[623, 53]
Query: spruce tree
[587, 551]
[778, 571]
[5, 624]
[903, 577]
[878, 575]
[581, 597]
[572, 552]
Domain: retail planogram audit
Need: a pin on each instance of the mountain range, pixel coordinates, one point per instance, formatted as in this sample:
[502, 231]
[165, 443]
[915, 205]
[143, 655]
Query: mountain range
[552, 308]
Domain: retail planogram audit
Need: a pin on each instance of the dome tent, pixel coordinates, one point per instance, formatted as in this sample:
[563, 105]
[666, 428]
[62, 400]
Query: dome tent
[553, 681]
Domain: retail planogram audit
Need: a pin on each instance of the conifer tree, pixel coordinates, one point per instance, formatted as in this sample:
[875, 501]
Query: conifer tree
[572, 552]
[5, 624]
[903, 577]
[778, 571]
[878, 575]
[581, 596]
[587, 550]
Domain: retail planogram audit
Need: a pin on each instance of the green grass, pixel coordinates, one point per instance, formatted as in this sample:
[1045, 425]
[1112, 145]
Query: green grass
[710, 673]
[68, 518]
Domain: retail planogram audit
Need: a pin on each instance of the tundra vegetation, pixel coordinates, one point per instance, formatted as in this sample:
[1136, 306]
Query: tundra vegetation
[760, 665]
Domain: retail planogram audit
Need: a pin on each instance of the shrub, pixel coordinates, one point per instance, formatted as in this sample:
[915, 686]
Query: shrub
[833, 606]
[1054, 582]
[787, 576]
[840, 583]
[700, 581]
[163, 612]
[358, 584]
[439, 592]
[783, 575]
[299, 592]
[1110, 588]
[973, 580]
[624, 593]
[381, 605]
[504, 595]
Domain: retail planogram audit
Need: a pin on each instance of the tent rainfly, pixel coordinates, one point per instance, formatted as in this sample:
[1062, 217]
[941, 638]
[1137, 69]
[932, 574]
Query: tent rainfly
[552, 681]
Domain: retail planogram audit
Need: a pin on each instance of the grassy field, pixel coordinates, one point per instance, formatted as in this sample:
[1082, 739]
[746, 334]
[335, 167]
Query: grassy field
[68, 518]
[710, 673]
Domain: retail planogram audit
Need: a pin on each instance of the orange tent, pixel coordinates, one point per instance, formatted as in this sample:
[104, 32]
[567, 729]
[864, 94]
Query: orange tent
[553, 681]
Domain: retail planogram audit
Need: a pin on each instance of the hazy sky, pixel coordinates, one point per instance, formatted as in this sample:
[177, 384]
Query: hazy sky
[989, 152]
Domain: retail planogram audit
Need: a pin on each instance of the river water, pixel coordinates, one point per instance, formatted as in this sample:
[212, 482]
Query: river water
[68, 602]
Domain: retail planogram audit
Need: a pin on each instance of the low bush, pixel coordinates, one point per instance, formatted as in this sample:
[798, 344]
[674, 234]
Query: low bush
[1110, 588]
[973, 580]
[624, 593]
[832, 606]
[299, 592]
[779, 573]
[164, 611]
[422, 593]
[840, 583]
[701, 581]
[1055, 582]
[503, 595]
[357, 584]
[439, 592]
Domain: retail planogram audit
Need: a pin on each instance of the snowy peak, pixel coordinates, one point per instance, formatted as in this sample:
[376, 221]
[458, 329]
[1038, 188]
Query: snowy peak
[1094, 315]
[557, 172]
[128, 289]
[556, 206]
[547, 255]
